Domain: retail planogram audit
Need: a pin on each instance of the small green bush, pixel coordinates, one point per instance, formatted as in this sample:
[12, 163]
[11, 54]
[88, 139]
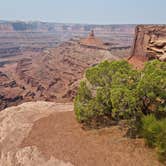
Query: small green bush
[161, 140]
[154, 132]
[150, 129]
[81, 101]
[151, 88]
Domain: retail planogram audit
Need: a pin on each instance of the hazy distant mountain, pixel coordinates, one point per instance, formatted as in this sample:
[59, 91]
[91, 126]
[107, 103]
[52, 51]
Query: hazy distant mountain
[46, 26]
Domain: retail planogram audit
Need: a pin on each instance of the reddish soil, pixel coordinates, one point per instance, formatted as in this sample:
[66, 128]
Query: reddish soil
[59, 135]
[137, 62]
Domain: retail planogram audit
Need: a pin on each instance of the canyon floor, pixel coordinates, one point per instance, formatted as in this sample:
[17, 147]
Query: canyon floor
[47, 134]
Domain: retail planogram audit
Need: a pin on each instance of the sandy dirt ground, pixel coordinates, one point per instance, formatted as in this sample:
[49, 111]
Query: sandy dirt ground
[59, 135]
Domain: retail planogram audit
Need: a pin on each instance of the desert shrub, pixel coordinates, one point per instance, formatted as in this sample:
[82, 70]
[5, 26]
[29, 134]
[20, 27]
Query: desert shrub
[102, 74]
[123, 102]
[154, 132]
[81, 101]
[111, 88]
[150, 129]
[115, 89]
[151, 88]
[161, 141]
[92, 108]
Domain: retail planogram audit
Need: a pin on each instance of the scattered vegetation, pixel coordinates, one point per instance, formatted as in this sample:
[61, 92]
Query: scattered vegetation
[114, 91]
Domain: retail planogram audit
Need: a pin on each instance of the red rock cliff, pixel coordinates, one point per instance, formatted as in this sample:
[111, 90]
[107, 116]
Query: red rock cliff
[149, 43]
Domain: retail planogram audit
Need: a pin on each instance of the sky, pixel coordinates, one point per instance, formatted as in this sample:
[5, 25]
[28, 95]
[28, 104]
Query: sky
[85, 11]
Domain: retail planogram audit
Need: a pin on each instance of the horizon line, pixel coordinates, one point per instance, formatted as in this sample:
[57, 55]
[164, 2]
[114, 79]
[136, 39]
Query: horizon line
[76, 23]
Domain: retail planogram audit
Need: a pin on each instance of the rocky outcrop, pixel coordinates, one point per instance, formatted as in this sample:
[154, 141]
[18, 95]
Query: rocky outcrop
[15, 125]
[149, 43]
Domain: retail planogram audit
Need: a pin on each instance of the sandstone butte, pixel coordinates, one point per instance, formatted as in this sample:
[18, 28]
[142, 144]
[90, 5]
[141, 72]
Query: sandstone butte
[93, 41]
[149, 43]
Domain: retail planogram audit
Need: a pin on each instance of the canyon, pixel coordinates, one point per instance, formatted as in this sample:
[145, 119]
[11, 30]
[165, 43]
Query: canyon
[52, 75]
[17, 37]
[45, 61]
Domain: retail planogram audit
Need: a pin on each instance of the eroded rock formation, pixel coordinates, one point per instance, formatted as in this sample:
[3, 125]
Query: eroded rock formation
[149, 43]
[93, 41]
[34, 72]
[53, 75]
